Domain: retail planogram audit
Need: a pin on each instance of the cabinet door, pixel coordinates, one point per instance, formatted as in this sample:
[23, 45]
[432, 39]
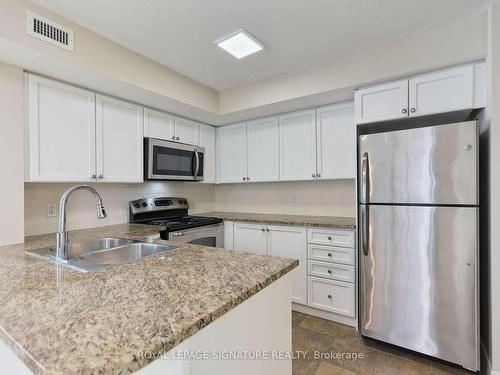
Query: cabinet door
[381, 102]
[207, 141]
[187, 131]
[336, 146]
[445, 91]
[263, 150]
[249, 237]
[291, 242]
[119, 140]
[61, 132]
[297, 145]
[233, 153]
[158, 124]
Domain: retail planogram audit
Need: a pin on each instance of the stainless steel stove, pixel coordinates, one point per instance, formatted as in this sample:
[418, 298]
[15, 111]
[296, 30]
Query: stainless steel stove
[171, 216]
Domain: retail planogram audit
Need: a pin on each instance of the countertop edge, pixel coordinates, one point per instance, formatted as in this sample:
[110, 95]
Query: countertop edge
[228, 216]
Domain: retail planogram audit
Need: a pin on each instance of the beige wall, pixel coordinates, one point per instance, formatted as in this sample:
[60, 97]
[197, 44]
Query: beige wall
[81, 207]
[11, 155]
[335, 198]
[462, 41]
[96, 54]
[494, 188]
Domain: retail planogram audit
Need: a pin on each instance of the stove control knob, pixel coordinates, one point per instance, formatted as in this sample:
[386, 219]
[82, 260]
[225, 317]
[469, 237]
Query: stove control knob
[144, 204]
[137, 205]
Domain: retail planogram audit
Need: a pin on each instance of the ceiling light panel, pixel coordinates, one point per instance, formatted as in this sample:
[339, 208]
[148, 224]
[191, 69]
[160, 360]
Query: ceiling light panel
[239, 43]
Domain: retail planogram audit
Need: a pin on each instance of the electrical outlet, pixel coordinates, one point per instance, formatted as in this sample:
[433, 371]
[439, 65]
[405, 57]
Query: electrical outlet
[295, 200]
[198, 200]
[51, 210]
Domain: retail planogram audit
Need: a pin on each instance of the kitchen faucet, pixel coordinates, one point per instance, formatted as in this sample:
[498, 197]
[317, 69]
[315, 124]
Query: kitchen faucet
[62, 249]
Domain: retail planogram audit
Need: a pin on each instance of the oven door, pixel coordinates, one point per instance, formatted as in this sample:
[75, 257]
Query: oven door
[167, 160]
[208, 235]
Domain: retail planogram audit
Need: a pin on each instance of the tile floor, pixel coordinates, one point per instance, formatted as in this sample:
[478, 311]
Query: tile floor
[313, 334]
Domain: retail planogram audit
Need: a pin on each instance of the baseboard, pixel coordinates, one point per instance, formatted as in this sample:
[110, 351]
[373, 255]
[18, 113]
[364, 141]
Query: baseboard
[325, 315]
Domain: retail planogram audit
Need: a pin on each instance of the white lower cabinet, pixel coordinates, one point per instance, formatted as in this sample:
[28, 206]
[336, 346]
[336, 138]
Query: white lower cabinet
[331, 269]
[324, 283]
[250, 237]
[330, 295]
[291, 242]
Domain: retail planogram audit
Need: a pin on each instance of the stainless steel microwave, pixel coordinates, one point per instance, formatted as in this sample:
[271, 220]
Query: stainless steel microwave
[166, 160]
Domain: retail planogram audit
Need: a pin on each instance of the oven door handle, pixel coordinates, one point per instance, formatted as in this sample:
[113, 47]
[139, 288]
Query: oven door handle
[197, 164]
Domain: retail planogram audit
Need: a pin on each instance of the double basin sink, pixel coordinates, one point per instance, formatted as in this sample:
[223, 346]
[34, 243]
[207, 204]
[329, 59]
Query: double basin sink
[95, 255]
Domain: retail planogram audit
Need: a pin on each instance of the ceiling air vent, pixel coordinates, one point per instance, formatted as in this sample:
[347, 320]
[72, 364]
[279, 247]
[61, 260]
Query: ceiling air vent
[44, 29]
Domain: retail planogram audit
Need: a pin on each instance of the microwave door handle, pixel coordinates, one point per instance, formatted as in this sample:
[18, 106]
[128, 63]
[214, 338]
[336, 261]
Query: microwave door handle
[197, 164]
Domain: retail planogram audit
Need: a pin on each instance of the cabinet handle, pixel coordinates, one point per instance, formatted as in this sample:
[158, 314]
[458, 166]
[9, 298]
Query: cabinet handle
[313, 175]
[248, 178]
[330, 296]
[404, 110]
[101, 176]
[329, 238]
[177, 138]
[263, 229]
[244, 178]
[318, 174]
[93, 177]
[173, 138]
[267, 230]
[412, 110]
[330, 272]
[329, 254]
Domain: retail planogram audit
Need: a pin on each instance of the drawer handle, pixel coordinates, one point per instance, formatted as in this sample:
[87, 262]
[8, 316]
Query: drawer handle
[330, 272]
[329, 238]
[329, 254]
[330, 296]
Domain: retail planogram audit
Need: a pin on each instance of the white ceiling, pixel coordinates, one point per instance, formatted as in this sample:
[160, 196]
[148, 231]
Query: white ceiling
[298, 34]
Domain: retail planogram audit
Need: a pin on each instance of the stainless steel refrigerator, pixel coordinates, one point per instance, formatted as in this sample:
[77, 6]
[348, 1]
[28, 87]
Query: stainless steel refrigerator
[418, 240]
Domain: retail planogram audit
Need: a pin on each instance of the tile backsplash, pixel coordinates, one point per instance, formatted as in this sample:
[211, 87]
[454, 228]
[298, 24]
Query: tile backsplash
[81, 206]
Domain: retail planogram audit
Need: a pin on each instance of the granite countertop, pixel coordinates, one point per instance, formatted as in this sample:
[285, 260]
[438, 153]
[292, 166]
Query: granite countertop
[60, 321]
[309, 221]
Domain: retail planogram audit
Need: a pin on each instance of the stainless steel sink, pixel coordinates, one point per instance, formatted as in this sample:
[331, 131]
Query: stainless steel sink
[95, 255]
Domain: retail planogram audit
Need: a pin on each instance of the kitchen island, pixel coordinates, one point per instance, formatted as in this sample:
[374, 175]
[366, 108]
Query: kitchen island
[193, 301]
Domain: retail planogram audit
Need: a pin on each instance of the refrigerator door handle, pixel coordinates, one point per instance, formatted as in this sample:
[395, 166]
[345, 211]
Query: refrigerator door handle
[365, 182]
[365, 235]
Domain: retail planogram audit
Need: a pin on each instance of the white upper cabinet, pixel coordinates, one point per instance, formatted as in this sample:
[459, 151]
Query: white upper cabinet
[232, 153]
[207, 141]
[158, 124]
[382, 102]
[187, 131]
[444, 91]
[119, 140]
[250, 237]
[453, 89]
[297, 145]
[263, 149]
[291, 242]
[60, 132]
[336, 146]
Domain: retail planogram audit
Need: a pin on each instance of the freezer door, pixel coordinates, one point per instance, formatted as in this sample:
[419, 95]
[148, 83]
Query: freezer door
[431, 165]
[418, 280]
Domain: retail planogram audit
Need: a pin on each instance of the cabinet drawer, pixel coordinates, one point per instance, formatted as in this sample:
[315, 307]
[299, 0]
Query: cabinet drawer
[343, 255]
[333, 237]
[330, 270]
[330, 295]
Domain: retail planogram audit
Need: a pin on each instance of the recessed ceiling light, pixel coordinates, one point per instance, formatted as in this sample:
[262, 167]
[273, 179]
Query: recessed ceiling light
[239, 43]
